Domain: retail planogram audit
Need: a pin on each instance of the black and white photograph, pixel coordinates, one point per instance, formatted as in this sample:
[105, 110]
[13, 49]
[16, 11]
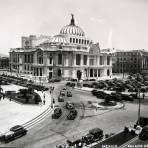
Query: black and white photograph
[73, 73]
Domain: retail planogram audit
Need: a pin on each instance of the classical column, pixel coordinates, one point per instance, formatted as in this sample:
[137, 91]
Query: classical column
[45, 57]
[110, 60]
[105, 60]
[66, 60]
[98, 60]
[35, 57]
[87, 60]
[74, 59]
[82, 56]
[20, 59]
[73, 73]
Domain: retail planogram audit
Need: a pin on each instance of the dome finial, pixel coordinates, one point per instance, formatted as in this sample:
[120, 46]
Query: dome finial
[72, 20]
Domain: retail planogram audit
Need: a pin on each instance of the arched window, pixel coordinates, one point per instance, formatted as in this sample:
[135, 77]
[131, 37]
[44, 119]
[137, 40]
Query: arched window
[85, 42]
[82, 41]
[79, 41]
[73, 40]
[70, 40]
[76, 40]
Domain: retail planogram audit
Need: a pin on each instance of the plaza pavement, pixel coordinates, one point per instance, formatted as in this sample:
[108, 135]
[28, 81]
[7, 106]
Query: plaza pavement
[13, 113]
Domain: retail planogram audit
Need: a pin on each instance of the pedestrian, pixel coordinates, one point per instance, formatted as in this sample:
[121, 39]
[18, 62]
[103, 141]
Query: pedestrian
[143, 96]
[44, 101]
[0, 98]
[44, 96]
[53, 101]
[10, 99]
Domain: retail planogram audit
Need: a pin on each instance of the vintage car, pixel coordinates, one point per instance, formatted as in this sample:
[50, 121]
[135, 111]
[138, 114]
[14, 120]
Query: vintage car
[57, 113]
[15, 132]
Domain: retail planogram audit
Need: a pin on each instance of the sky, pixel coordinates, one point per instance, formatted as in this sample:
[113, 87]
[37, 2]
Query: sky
[119, 24]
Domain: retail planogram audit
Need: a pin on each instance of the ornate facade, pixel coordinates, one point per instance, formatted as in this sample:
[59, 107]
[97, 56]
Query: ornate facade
[64, 56]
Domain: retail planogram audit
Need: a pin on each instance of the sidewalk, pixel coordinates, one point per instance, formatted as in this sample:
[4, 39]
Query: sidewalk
[12, 113]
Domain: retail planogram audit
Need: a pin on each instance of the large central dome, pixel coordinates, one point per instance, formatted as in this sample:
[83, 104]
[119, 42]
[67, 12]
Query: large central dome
[72, 29]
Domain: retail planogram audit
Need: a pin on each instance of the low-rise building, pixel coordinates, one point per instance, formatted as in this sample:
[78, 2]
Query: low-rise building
[134, 61]
[4, 62]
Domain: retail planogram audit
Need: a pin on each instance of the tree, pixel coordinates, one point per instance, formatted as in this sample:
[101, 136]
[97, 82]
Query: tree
[107, 99]
[24, 93]
[37, 99]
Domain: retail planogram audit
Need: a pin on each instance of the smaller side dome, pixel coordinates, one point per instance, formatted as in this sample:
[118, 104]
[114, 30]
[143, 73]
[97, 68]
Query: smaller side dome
[59, 39]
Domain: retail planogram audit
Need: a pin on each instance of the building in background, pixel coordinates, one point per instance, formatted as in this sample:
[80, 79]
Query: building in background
[66, 55]
[134, 61]
[4, 62]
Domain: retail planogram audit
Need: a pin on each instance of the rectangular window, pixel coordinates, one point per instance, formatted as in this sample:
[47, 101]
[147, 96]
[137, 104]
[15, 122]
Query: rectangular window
[85, 60]
[101, 60]
[50, 60]
[91, 72]
[76, 40]
[25, 58]
[108, 60]
[59, 59]
[91, 61]
[108, 72]
[70, 40]
[98, 72]
[95, 72]
[79, 41]
[78, 59]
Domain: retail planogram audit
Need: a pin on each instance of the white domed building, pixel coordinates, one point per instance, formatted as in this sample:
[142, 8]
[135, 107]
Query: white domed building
[69, 54]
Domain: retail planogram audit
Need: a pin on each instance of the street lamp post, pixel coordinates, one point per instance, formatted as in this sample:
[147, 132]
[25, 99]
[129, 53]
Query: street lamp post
[139, 107]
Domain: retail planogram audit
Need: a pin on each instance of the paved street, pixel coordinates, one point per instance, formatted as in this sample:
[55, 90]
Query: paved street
[51, 132]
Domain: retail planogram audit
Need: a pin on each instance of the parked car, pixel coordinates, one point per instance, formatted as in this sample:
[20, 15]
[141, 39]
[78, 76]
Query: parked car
[15, 132]
[100, 94]
[88, 139]
[127, 97]
[94, 92]
[72, 114]
[116, 96]
[60, 98]
[57, 113]
[64, 88]
[73, 142]
[144, 134]
[62, 92]
[143, 121]
[69, 105]
[69, 94]
[17, 128]
[97, 133]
